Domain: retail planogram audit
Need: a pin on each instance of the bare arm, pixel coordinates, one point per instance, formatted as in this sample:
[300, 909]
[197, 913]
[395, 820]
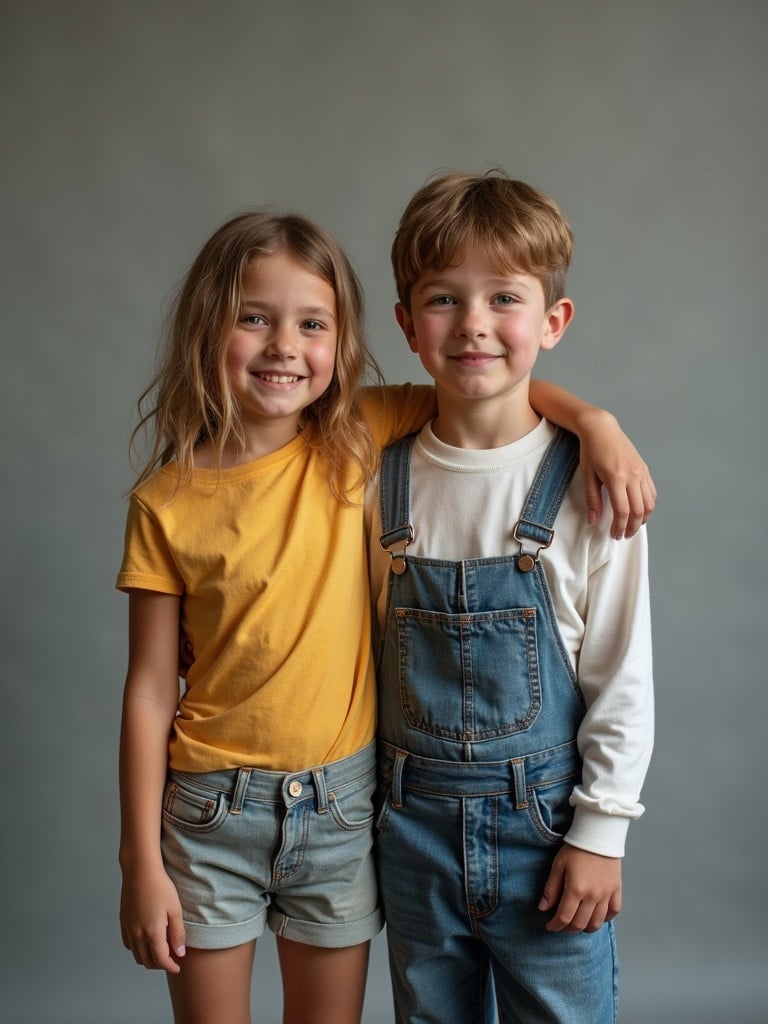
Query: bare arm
[150, 912]
[608, 458]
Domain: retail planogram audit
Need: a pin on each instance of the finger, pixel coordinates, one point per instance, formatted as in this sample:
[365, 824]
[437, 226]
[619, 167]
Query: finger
[618, 495]
[553, 888]
[637, 512]
[598, 917]
[160, 959]
[620, 507]
[614, 905]
[176, 935]
[566, 911]
[649, 498]
[594, 497]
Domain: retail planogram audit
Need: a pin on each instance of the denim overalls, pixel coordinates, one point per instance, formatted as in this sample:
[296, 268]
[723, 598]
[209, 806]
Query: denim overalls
[478, 713]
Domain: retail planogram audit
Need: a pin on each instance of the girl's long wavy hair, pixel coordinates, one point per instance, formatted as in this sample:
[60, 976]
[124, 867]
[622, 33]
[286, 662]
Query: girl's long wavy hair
[189, 400]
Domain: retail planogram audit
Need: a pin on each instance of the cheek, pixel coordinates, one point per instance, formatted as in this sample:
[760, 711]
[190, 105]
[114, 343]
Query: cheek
[238, 354]
[325, 361]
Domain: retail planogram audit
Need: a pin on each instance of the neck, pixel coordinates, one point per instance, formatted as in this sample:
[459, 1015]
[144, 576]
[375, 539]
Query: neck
[482, 425]
[257, 444]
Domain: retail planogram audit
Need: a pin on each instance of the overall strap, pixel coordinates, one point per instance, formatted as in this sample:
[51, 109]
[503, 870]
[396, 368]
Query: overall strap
[395, 500]
[547, 491]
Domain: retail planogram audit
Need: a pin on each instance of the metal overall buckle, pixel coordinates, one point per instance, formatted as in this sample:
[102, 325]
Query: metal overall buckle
[404, 534]
[526, 561]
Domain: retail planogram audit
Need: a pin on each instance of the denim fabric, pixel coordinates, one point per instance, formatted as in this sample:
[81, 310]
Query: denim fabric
[295, 851]
[478, 713]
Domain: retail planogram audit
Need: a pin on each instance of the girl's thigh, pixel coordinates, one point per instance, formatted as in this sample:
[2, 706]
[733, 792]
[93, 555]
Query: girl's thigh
[320, 985]
[213, 985]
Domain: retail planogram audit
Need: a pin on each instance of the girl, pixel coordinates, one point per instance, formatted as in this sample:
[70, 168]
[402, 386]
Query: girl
[248, 800]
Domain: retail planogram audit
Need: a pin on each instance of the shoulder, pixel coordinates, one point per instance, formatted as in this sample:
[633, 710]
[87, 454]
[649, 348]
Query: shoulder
[158, 489]
[397, 409]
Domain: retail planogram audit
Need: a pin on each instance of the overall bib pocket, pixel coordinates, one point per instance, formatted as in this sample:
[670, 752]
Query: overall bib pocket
[497, 692]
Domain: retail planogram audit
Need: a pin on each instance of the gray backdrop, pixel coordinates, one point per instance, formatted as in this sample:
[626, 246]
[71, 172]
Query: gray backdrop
[129, 132]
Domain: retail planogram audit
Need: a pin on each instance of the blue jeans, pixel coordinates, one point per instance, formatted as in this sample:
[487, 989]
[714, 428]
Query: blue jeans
[462, 867]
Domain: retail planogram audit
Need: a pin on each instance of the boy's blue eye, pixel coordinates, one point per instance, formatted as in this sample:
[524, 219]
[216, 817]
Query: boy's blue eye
[441, 300]
[505, 300]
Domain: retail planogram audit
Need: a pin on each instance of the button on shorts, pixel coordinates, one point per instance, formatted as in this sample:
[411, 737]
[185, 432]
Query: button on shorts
[295, 851]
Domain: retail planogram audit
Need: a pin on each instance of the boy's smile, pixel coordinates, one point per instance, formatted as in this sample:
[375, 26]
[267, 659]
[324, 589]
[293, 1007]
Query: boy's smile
[478, 333]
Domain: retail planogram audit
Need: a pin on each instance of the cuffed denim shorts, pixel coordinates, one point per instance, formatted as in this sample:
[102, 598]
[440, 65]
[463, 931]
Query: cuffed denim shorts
[295, 851]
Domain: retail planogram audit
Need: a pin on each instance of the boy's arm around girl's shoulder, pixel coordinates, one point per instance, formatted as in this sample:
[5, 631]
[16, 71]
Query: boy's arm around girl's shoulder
[150, 912]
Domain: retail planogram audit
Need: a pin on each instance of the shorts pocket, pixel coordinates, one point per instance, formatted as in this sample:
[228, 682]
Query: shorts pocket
[550, 810]
[191, 809]
[352, 806]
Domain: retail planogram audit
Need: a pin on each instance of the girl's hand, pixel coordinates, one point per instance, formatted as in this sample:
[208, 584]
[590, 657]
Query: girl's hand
[585, 888]
[609, 458]
[151, 922]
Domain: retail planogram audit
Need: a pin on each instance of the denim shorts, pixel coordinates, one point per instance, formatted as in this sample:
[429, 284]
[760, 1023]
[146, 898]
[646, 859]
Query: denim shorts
[295, 851]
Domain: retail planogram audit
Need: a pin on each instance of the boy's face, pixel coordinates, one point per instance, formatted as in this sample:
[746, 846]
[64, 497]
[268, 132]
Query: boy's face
[477, 332]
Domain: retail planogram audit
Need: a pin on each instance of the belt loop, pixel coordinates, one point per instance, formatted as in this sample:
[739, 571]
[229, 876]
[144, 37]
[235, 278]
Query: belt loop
[397, 778]
[321, 792]
[521, 793]
[238, 793]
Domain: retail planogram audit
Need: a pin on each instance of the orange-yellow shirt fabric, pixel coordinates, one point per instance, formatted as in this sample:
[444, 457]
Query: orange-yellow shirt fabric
[273, 575]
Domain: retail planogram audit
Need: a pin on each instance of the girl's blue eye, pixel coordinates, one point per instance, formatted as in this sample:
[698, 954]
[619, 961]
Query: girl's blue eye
[254, 319]
[312, 325]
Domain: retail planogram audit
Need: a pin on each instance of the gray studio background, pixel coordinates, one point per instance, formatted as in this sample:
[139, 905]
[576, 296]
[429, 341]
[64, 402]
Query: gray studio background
[129, 132]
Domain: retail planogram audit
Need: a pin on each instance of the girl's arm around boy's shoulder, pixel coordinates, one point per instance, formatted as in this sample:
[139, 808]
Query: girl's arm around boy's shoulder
[150, 912]
[608, 458]
[397, 409]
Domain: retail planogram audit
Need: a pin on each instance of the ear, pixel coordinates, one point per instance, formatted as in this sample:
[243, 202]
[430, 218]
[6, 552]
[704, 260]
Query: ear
[405, 320]
[558, 318]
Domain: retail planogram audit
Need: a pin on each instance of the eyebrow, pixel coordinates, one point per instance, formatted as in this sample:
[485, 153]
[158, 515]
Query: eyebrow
[310, 311]
[439, 282]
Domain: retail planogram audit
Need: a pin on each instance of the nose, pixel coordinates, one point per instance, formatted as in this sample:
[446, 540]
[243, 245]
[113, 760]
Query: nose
[471, 323]
[281, 344]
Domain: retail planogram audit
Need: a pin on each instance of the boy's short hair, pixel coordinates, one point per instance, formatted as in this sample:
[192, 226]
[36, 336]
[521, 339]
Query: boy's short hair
[519, 227]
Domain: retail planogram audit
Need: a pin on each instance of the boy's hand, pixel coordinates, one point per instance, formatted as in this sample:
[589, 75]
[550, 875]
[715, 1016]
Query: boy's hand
[608, 457]
[151, 921]
[585, 888]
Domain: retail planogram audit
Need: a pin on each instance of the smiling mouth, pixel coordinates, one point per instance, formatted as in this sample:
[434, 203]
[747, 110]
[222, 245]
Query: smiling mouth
[474, 358]
[278, 378]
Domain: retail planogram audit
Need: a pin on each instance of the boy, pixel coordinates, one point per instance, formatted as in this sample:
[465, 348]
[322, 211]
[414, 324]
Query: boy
[515, 687]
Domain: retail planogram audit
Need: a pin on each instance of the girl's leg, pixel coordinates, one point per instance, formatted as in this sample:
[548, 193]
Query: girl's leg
[322, 986]
[213, 985]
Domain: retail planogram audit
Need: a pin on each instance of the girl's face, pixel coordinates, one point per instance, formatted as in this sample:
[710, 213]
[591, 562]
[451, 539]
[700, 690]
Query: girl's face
[282, 350]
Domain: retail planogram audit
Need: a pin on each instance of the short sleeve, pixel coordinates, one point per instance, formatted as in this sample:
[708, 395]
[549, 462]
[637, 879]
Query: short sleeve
[148, 563]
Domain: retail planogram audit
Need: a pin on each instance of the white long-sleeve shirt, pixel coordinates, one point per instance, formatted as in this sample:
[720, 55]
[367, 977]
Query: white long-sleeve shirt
[464, 504]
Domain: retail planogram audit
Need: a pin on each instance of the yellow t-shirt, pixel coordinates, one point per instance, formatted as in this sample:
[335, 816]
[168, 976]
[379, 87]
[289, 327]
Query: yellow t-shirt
[273, 575]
